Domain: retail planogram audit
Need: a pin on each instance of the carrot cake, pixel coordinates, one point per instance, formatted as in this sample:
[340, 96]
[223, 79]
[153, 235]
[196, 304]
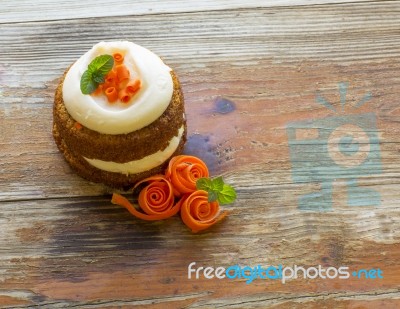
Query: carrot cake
[119, 114]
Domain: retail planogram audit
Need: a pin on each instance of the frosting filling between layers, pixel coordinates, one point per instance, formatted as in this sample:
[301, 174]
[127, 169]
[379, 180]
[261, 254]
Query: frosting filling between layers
[95, 113]
[142, 165]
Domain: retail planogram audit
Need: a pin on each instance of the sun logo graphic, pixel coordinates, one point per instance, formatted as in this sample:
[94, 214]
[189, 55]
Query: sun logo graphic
[344, 147]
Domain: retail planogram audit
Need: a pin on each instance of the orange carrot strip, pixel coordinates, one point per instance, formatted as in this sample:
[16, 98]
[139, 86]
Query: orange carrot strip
[124, 96]
[121, 85]
[78, 126]
[112, 94]
[118, 57]
[133, 86]
[197, 213]
[120, 200]
[111, 77]
[122, 72]
[183, 171]
[110, 80]
[108, 85]
[156, 200]
[157, 197]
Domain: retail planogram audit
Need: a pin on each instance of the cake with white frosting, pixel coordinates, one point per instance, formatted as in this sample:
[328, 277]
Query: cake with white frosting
[119, 114]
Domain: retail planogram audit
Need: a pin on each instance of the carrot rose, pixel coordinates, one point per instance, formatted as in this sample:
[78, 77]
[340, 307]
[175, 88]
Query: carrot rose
[199, 214]
[156, 200]
[183, 172]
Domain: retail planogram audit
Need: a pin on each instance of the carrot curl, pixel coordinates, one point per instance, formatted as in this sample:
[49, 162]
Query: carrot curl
[122, 72]
[156, 200]
[117, 83]
[197, 213]
[118, 57]
[124, 96]
[133, 86]
[183, 171]
[112, 94]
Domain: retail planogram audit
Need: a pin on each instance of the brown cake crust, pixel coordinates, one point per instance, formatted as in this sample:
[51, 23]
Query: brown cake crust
[75, 143]
[115, 180]
[120, 148]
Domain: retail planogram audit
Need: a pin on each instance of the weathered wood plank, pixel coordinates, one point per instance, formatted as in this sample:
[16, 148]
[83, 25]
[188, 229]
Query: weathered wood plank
[44, 10]
[246, 74]
[248, 57]
[87, 252]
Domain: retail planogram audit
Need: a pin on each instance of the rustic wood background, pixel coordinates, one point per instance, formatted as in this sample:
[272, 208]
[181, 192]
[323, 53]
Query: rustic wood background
[247, 69]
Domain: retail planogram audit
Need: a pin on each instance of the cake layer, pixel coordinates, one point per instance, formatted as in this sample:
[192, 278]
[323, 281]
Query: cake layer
[142, 165]
[115, 180]
[121, 148]
[95, 113]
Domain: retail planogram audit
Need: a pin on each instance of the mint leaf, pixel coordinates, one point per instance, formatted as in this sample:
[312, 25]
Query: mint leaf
[102, 64]
[217, 190]
[227, 195]
[94, 75]
[217, 183]
[204, 184]
[98, 77]
[212, 196]
[88, 85]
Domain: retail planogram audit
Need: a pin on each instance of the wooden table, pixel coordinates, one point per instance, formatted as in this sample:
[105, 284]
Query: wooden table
[250, 71]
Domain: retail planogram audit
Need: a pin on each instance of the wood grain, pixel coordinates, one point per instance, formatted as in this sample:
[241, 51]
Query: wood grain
[246, 56]
[45, 10]
[247, 70]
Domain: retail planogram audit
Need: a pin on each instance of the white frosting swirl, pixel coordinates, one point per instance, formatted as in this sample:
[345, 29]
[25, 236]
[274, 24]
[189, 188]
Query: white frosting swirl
[95, 113]
[142, 165]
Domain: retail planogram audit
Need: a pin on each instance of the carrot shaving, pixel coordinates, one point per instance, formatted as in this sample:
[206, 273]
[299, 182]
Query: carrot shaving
[112, 94]
[197, 213]
[183, 171]
[107, 85]
[118, 57]
[133, 86]
[118, 79]
[111, 77]
[124, 96]
[122, 85]
[122, 72]
[78, 126]
[156, 200]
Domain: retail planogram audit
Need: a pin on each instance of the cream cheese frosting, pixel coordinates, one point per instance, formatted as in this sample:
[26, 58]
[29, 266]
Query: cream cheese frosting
[95, 113]
[142, 165]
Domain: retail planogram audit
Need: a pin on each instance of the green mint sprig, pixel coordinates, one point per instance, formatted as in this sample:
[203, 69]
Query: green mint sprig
[217, 190]
[94, 75]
